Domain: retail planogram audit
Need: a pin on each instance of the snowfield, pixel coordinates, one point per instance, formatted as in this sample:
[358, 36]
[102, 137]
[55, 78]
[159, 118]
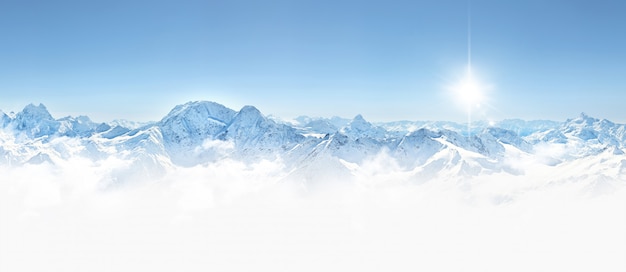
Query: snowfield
[212, 188]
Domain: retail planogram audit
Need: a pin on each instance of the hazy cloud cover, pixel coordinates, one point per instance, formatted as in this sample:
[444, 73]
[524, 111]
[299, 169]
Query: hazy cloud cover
[231, 216]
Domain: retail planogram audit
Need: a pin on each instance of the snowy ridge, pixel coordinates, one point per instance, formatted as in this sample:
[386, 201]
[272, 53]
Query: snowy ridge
[202, 132]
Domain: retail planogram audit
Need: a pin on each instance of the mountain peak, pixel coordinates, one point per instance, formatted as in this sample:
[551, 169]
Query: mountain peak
[248, 115]
[359, 127]
[359, 121]
[583, 119]
[586, 117]
[4, 119]
[359, 117]
[201, 110]
[190, 124]
[36, 121]
[39, 112]
[247, 109]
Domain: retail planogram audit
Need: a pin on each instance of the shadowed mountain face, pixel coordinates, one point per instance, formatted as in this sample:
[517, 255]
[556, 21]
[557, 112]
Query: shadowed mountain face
[202, 132]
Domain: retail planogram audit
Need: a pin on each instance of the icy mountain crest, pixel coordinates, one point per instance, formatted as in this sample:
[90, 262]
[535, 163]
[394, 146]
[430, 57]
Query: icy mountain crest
[4, 119]
[249, 129]
[35, 121]
[200, 132]
[190, 124]
[360, 128]
[592, 130]
[32, 112]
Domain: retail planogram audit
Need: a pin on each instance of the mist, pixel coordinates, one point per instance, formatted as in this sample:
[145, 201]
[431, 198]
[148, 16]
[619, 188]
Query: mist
[232, 216]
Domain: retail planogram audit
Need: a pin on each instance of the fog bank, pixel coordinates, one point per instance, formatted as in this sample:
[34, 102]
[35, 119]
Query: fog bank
[230, 216]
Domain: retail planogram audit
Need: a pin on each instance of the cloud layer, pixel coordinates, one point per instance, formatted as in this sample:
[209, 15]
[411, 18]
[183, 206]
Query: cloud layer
[231, 216]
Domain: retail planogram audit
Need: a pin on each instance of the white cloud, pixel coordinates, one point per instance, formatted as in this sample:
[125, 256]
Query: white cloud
[231, 216]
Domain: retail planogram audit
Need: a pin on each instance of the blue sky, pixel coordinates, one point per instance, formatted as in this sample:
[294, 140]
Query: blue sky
[388, 60]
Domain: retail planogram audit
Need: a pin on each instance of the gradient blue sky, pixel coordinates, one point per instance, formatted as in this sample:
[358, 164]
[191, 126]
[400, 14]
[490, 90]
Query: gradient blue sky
[388, 60]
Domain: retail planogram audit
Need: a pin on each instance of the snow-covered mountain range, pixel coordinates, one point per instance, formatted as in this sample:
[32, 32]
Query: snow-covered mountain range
[203, 132]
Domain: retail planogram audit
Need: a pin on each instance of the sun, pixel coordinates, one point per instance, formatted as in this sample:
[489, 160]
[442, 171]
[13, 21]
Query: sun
[470, 93]
[469, 90]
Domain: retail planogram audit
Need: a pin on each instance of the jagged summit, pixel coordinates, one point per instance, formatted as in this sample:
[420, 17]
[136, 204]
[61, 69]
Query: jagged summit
[248, 119]
[35, 121]
[585, 121]
[359, 123]
[583, 118]
[190, 124]
[358, 118]
[39, 112]
[251, 130]
[201, 110]
[358, 127]
[4, 119]
[584, 115]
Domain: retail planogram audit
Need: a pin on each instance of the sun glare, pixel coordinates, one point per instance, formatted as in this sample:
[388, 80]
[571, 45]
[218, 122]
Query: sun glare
[469, 90]
[470, 93]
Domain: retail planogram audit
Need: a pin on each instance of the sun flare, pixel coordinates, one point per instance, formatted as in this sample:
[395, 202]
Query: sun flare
[469, 90]
[470, 93]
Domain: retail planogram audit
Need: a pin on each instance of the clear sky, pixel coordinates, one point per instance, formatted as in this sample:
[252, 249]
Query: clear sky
[388, 60]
